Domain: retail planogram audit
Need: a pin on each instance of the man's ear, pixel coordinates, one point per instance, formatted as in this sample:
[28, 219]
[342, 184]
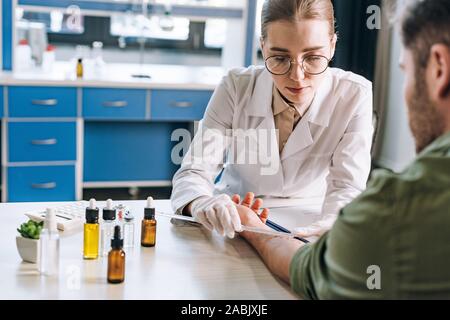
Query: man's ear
[439, 72]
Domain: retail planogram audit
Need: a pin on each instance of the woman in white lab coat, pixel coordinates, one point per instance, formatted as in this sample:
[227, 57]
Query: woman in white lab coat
[317, 120]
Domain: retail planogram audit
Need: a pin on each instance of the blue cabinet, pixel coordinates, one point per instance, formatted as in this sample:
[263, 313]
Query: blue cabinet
[128, 151]
[41, 183]
[179, 105]
[46, 102]
[127, 138]
[2, 111]
[125, 104]
[42, 141]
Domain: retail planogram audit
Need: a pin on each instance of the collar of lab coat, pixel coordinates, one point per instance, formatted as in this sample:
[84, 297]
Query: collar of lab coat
[261, 102]
[319, 113]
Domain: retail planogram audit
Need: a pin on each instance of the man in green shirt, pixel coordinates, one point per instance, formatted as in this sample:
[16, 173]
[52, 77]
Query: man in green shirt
[393, 241]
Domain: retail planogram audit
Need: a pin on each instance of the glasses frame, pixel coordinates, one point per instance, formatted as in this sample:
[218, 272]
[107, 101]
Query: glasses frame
[292, 61]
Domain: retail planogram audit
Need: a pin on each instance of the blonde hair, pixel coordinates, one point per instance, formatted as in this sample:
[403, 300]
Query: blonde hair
[296, 10]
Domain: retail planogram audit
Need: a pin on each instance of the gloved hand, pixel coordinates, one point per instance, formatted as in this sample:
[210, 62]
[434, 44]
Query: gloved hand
[217, 213]
[318, 228]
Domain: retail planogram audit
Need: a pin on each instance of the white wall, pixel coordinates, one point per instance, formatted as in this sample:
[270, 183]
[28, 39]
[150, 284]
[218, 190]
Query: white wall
[398, 148]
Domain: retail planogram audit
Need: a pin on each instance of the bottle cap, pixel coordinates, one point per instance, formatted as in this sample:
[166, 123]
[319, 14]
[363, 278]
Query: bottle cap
[80, 60]
[128, 216]
[23, 42]
[116, 241]
[149, 211]
[92, 212]
[109, 213]
[50, 220]
[121, 211]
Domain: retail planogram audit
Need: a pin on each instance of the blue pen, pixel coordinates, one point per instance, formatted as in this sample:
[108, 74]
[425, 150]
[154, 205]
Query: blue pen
[279, 228]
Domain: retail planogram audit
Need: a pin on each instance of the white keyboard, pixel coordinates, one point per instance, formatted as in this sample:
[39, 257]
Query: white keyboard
[68, 217]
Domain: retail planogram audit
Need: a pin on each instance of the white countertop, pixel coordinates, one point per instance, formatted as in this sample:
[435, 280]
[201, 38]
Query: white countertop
[119, 75]
[187, 263]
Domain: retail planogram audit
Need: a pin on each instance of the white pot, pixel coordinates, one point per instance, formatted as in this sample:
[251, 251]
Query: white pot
[28, 249]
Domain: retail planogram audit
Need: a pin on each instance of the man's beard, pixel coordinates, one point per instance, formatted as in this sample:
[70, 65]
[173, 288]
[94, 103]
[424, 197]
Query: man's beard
[426, 123]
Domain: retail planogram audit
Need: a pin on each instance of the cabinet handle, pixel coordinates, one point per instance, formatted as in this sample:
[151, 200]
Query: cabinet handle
[48, 102]
[115, 104]
[47, 142]
[181, 104]
[49, 185]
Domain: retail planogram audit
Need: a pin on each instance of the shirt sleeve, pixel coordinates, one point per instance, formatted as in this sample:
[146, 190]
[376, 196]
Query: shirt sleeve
[206, 155]
[345, 262]
[351, 161]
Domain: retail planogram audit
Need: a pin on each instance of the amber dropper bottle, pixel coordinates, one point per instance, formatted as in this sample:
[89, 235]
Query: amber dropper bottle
[148, 229]
[116, 259]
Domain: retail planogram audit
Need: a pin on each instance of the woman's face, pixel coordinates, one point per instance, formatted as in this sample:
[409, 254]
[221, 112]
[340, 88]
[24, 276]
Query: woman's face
[297, 40]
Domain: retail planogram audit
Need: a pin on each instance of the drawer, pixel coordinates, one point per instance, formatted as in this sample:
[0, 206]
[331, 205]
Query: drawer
[42, 141]
[129, 151]
[42, 102]
[127, 104]
[48, 183]
[179, 105]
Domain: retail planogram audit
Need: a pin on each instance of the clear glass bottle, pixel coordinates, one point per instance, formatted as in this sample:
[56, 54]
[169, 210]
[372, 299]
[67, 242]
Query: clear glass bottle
[91, 232]
[128, 230]
[116, 259]
[97, 56]
[121, 212]
[107, 228]
[148, 226]
[49, 245]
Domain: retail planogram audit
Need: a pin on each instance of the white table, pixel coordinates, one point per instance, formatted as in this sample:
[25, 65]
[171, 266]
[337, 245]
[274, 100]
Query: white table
[186, 263]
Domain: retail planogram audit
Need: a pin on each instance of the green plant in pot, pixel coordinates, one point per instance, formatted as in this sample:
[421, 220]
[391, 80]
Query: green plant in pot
[28, 241]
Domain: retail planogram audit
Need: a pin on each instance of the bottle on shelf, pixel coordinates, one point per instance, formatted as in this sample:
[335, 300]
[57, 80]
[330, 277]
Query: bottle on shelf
[48, 59]
[23, 61]
[80, 69]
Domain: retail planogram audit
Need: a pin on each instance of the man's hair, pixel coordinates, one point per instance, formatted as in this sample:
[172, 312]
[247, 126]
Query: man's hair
[425, 23]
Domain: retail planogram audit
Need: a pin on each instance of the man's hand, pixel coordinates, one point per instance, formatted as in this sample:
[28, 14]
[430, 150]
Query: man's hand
[249, 209]
[276, 252]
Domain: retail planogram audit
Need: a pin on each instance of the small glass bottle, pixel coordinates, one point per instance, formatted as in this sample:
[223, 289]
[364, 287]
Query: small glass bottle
[91, 232]
[49, 245]
[107, 228]
[116, 259]
[80, 68]
[148, 228]
[128, 230]
[121, 211]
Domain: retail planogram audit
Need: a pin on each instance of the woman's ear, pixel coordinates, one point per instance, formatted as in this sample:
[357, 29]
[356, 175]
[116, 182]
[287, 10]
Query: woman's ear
[333, 45]
[261, 43]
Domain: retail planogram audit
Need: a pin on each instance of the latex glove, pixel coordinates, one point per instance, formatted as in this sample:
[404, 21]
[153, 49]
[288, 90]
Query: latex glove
[217, 213]
[316, 229]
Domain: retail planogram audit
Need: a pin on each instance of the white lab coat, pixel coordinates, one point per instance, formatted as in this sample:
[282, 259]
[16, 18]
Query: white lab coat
[327, 157]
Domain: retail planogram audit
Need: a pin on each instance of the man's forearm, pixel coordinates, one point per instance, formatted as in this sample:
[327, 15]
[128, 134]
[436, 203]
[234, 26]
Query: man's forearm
[276, 252]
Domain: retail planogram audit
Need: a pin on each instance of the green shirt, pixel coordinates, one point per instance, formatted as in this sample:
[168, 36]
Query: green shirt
[400, 224]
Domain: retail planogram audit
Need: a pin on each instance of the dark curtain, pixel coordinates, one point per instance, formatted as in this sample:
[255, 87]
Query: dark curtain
[356, 49]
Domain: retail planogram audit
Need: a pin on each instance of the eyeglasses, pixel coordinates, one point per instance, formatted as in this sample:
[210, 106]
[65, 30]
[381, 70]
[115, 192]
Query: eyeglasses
[313, 64]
